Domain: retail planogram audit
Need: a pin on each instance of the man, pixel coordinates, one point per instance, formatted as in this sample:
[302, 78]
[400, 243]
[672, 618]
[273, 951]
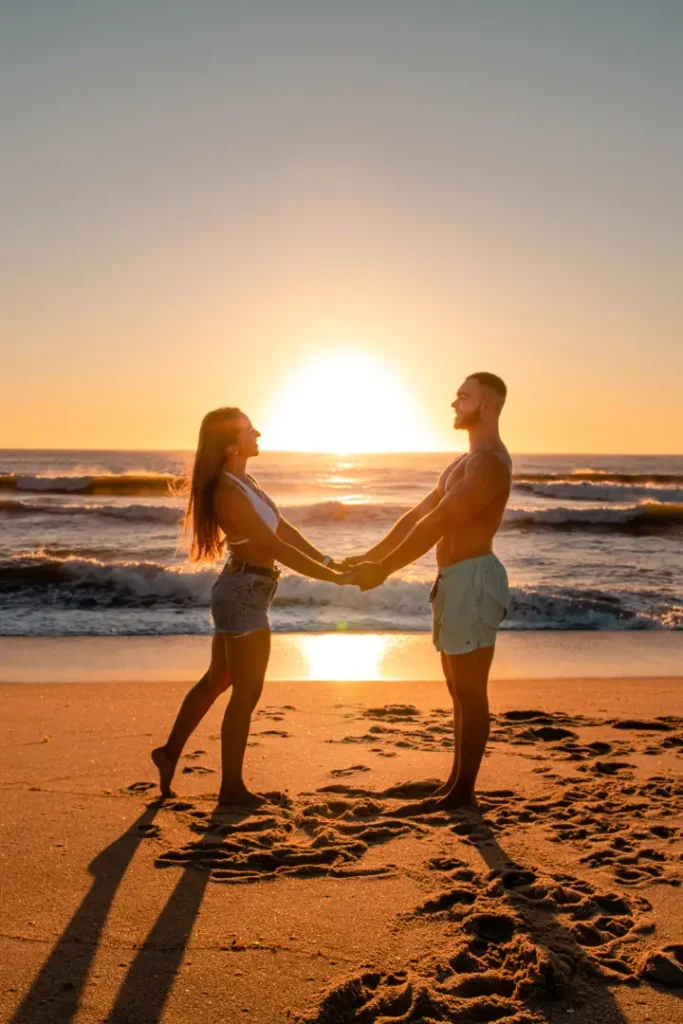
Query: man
[470, 596]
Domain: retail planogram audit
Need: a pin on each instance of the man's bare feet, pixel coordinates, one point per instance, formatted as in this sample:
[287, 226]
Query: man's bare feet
[457, 800]
[452, 801]
[418, 807]
[446, 787]
[166, 768]
[240, 796]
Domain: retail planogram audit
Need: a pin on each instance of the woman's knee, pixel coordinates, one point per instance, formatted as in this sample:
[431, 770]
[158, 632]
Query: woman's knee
[247, 693]
[217, 680]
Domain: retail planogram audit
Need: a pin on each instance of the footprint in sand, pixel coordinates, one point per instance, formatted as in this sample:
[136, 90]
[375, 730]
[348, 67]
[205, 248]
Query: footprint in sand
[393, 712]
[521, 935]
[276, 714]
[339, 772]
[664, 967]
[610, 815]
[148, 831]
[325, 836]
[658, 725]
[197, 769]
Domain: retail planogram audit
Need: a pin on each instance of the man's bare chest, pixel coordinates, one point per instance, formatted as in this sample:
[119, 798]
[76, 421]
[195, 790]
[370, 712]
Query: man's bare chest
[452, 474]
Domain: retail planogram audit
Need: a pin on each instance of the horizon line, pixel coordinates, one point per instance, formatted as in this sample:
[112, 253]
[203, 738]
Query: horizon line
[340, 454]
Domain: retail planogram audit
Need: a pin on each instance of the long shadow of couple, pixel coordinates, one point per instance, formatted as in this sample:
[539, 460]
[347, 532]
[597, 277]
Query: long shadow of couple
[59, 987]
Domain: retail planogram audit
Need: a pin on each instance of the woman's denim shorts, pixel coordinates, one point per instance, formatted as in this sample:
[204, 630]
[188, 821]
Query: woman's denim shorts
[240, 602]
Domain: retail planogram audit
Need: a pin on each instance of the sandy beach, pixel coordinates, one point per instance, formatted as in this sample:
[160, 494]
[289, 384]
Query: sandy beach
[561, 897]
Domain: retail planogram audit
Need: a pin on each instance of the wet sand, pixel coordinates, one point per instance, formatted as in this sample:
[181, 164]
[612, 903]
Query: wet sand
[558, 899]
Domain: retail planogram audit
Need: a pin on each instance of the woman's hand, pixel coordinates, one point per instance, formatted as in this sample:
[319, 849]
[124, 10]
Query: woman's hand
[338, 565]
[347, 578]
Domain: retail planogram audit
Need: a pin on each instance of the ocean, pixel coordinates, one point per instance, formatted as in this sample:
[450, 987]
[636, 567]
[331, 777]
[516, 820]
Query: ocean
[91, 544]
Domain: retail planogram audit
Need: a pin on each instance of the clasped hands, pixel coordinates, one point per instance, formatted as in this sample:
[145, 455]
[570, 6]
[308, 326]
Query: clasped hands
[357, 571]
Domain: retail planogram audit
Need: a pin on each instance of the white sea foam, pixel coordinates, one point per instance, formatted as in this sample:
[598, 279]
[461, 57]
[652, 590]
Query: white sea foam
[399, 604]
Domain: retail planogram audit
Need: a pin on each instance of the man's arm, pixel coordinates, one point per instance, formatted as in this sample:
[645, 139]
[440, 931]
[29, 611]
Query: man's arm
[484, 478]
[399, 530]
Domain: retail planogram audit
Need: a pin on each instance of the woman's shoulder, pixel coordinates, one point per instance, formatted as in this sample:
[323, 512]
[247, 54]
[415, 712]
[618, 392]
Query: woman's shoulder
[262, 494]
[228, 486]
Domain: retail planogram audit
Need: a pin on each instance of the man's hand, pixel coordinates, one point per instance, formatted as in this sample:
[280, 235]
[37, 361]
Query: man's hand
[352, 561]
[346, 578]
[368, 575]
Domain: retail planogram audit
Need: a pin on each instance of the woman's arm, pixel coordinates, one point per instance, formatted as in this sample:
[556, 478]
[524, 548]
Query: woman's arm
[235, 512]
[290, 535]
[399, 530]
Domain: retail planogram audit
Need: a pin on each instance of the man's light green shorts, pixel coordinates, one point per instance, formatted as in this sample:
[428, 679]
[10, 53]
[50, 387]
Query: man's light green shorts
[469, 599]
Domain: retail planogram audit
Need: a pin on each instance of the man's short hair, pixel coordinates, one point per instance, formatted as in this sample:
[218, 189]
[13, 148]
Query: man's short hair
[490, 380]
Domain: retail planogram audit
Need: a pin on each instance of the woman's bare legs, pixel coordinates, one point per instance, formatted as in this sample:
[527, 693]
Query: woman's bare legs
[197, 702]
[247, 657]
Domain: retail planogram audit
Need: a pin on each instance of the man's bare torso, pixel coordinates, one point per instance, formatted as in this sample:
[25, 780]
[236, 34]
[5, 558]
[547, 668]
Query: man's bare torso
[472, 536]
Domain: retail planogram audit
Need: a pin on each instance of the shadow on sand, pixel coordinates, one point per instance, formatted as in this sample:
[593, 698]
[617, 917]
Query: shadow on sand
[57, 990]
[59, 987]
[549, 933]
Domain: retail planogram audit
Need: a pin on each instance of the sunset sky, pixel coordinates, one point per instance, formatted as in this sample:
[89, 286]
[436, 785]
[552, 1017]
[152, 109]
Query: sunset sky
[329, 213]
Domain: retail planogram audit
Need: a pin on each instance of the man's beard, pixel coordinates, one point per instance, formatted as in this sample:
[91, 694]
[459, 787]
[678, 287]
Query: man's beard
[471, 420]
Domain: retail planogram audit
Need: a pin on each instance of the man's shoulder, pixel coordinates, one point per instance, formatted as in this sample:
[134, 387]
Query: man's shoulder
[490, 461]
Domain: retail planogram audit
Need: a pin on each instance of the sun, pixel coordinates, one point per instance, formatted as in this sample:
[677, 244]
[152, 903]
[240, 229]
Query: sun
[345, 402]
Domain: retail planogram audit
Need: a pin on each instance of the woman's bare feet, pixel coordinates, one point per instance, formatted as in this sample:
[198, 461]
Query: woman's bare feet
[239, 796]
[166, 768]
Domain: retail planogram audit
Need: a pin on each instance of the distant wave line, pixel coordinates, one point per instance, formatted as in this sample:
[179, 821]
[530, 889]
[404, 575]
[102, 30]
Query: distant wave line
[646, 515]
[146, 484]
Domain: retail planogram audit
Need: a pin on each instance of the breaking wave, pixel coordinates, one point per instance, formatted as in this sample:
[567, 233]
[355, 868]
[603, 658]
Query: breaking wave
[636, 517]
[142, 513]
[632, 518]
[602, 492]
[599, 476]
[131, 484]
[402, 605]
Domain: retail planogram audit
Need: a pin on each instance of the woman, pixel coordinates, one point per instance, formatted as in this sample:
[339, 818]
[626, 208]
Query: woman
[226, 505]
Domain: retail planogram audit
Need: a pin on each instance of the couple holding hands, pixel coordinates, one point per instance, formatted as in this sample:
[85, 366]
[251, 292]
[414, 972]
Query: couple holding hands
[469, 599]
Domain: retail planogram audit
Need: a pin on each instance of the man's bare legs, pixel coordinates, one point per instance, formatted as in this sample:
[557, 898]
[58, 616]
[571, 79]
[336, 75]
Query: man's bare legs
[197, 702]
[450, 781]
[469, 676]
[247, 657]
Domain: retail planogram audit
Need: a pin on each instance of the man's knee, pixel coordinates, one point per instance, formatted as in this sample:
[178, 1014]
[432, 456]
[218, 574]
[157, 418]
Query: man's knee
[471, 695]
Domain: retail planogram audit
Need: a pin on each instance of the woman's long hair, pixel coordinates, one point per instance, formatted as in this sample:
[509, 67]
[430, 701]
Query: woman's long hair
[218, 430]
